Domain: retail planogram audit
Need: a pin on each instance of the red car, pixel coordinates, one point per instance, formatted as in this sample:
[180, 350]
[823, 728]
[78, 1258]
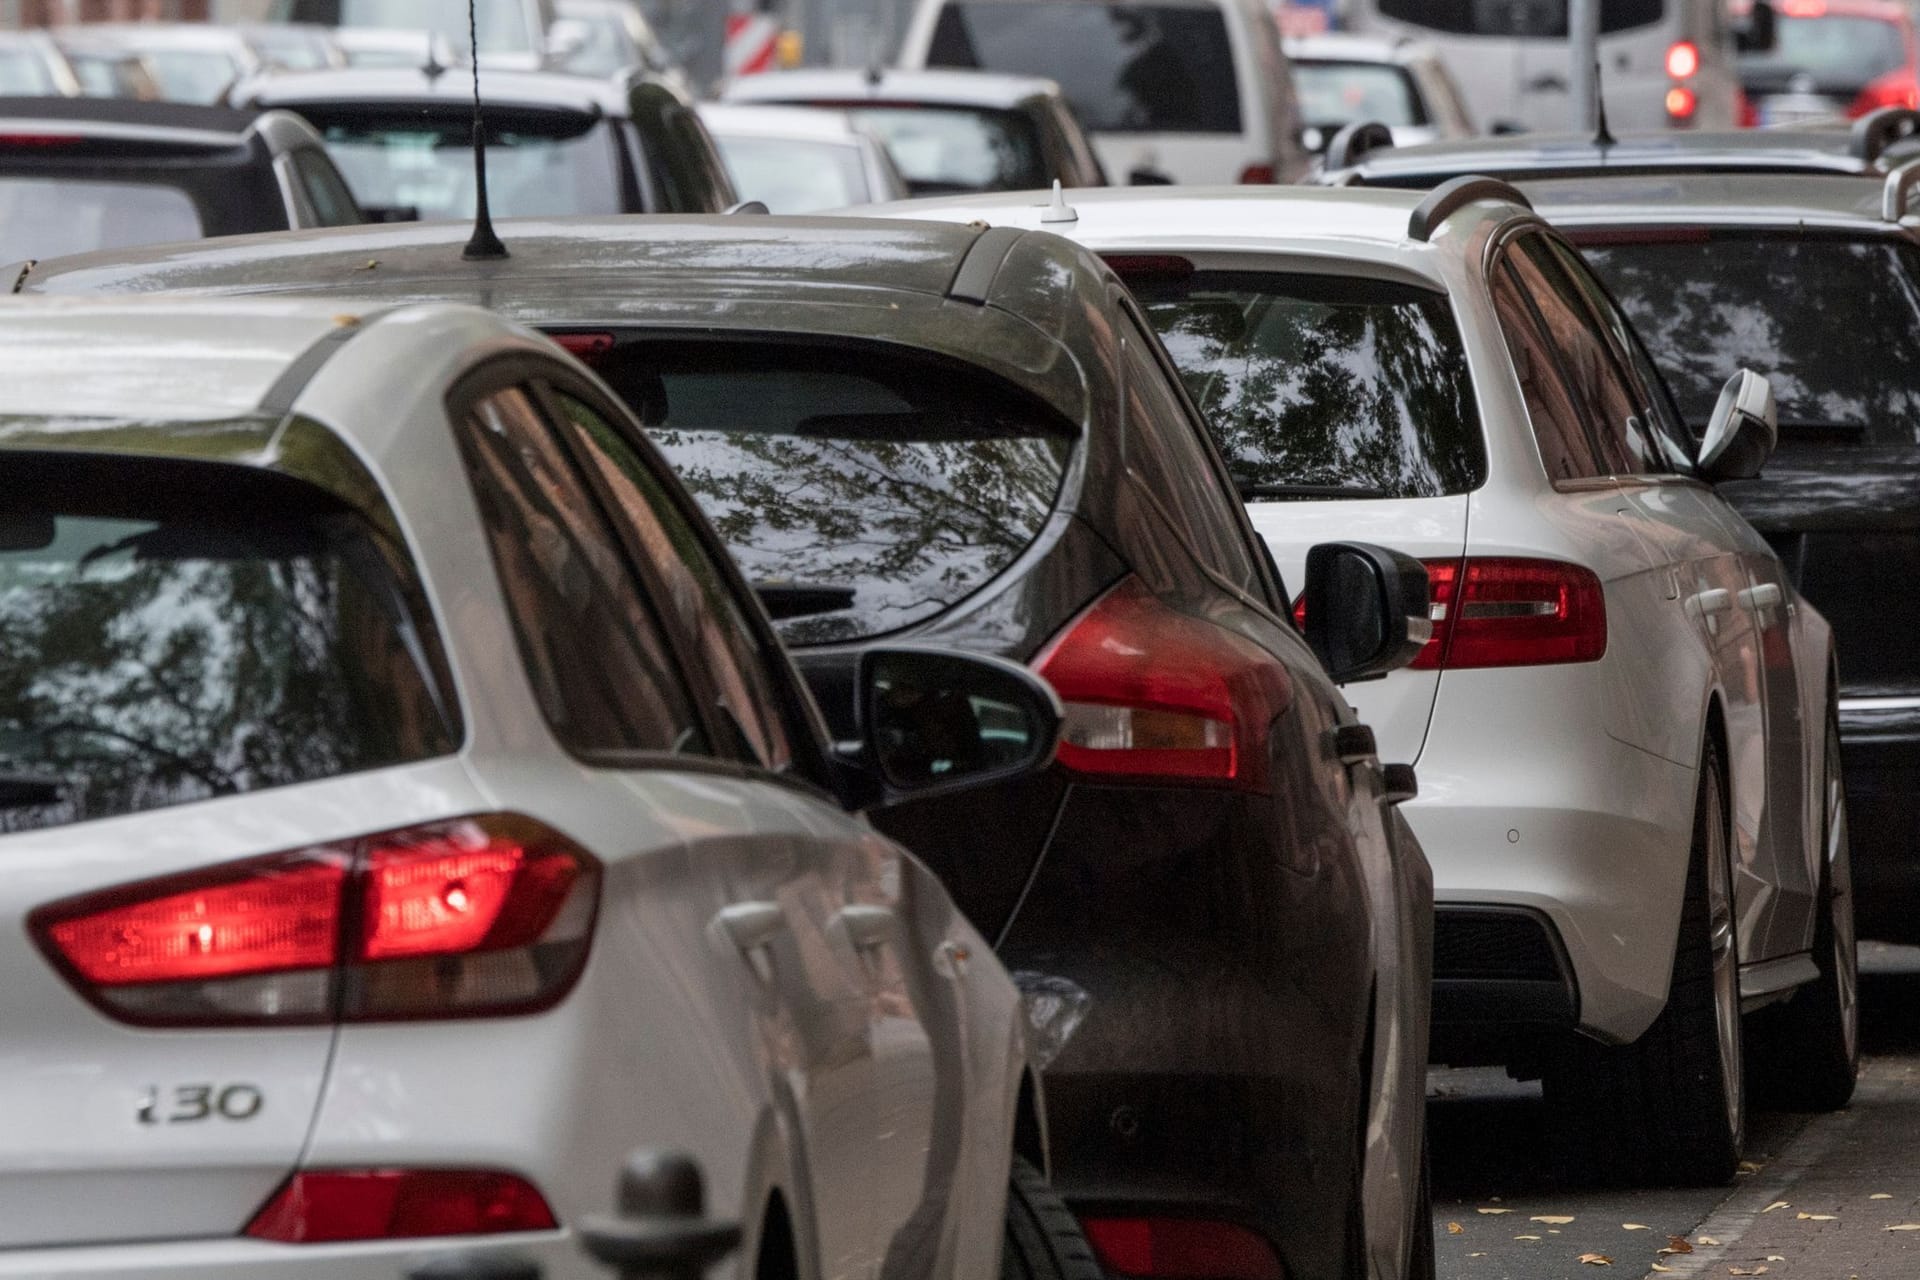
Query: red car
[1832, 57]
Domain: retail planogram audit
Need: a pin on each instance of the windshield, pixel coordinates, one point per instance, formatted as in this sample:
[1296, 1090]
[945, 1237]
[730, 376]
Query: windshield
[537, 162]
[24, 74]
[790, 176]
[1333, 93]
[958, 149]
[192, 75]
[1125, 68]
[894, 485]
[48, 217]
[1838, 52]
[1329, 385]
[173, 632]
[1509, 18]
[1706, 303]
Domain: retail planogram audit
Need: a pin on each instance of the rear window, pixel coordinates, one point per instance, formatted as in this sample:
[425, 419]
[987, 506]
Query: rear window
[1333, 93]
[1325, 386]
[1510, 18]
[24, 74]
[1125, 68]
[538, 163]
[897, 487]
[1838, 52]
[1706, 303]
[48, 217]
[795, 177]
[959, 149]
[172, 632]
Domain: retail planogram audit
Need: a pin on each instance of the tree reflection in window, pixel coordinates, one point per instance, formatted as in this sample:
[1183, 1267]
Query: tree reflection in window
[1326, 381]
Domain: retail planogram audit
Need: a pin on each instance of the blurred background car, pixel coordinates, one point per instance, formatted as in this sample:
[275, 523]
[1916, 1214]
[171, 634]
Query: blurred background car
[191, 61]
[512, 34]
[602, 37]
[292, 46]
[556, 143]
[31, 64]
[93, 173]
[1403, 84]
[1832, 57]
[1169, 90]
[801, 159]
[365, 48]
[948, 131]
[106, 69]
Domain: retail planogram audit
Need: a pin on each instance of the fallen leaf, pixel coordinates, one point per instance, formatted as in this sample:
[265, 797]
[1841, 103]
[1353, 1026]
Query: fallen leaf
[1552, 1219]
[1493, 1211]
[371, 264]
[1596, 1259]
[1706, 1240]
[1454, 1229]
[1476, 1255]
[1634, 1226]
[1677, 1244]
[1777, 1204]
[1814, 1217]
[1776, 1257]
[1537, 1237]
[1748, 1166]
[1879, 1195]
[1657, 1267]
[1906, 1226]
[1553, 1231]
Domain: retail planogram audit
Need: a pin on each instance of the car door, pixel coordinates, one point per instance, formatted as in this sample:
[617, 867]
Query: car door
[883, 1026]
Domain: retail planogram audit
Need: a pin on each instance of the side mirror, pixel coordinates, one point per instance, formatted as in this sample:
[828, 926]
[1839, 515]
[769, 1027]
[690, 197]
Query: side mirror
[932, 721]
[1148, 176]
[1367, 609]
[1743, 430]
[1760, 31]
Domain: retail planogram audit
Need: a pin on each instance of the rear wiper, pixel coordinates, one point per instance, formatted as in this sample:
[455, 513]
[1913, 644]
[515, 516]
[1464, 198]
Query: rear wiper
[1250, 490]
[29, 791]
[787, 599]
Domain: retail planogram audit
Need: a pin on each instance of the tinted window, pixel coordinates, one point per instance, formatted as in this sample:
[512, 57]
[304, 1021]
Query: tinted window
[174, 632]
[1517, 17]
[47, 217]
[1833, 323]
[960, 149]
[790, 176]
[697, 595]
[1566, 450]
[904, 486]
[1327, 381]
[537, 162]
[592, 648]
[1126, 68]
[1336, 92]
[1839, 52]
[332, 203]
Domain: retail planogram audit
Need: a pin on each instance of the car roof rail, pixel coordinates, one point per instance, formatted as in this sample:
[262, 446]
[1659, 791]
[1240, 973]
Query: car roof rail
[1896, 194]
[1355, 142]
[1874, 132]
[1451, 196]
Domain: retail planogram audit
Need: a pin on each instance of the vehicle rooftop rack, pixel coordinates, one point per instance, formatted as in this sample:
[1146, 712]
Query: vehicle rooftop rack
[1874, 132]
[1896, 194]
[1355, 142]
[1450, 197]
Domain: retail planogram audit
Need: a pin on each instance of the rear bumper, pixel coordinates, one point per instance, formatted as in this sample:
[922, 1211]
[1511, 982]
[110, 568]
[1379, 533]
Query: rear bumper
[556, 1253]
[1501, 980]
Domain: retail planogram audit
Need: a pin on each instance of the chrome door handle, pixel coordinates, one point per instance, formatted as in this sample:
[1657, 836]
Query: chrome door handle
[1764, 596]
[865, 926]
[751, 925]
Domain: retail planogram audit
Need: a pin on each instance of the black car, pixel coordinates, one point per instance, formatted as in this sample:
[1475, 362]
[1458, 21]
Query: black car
[970, 437]
[78, 174]
[556, 144]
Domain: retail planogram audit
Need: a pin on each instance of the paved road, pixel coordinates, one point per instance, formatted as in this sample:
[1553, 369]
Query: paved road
[1830, 1171]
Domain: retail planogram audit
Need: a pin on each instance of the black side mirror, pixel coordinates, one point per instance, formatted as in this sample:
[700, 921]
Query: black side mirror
[1367, 609]
[1147, 176]
[932, 720]
[1760, 31]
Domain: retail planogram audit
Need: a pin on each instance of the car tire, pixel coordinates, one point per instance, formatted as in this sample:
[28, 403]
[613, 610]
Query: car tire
[1807, 1050]
[1670, 1107]
[1043, 1239]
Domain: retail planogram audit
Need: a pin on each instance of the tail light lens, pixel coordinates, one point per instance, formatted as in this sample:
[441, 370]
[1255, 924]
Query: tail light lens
[1683, 59]
[1153, 694]
[1508, 612]
[1182, 1249]
[395, 1204]
[1257, 175]
[1682, 102]
[481, 915]
[584, 346]
[1746, 115]
[1895, 89]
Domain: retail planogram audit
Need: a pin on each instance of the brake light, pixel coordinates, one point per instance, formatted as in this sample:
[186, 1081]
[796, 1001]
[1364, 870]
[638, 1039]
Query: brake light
[1803, 8]
[1682, 102]
[1895, 89]
[1746, 115]
[1155, 268]
[480, 915]
[1256, 175]
[584, 346]
[396, 1204]
[1182, 1249]
[1683, 59]
[1510, 612]
[1153, 694]
[40, 140]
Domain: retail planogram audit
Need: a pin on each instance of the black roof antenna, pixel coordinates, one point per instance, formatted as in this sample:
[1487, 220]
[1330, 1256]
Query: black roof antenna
[1602, 136]
[483, 244]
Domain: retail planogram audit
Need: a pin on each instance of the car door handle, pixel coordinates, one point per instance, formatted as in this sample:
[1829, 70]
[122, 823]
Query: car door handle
[865, 926]
[751, 925]
[1718, 600]
[1764, 596]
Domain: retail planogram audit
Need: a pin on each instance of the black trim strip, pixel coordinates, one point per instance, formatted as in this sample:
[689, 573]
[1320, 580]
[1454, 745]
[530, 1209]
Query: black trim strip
[973, 282]
[278, 401]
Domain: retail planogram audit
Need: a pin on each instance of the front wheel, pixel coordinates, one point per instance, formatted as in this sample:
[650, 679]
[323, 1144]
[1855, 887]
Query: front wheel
[1043, 1238]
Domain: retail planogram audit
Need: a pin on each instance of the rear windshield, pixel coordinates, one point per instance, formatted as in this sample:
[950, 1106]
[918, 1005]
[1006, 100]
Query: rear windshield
[24, 74]
[1838, 52]
[538, 163]
[789, 176]
[48, 217]
[1125, 68]
[172, 632]
[1333, 93]
[1325, 386]
[1509, 18]
[900, 485]
[1707, 303]
[959, 149]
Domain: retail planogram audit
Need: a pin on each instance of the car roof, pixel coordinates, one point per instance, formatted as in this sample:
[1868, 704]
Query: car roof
[1528, 156]
[941, 88]
[1726, 199]
[121, 116]
[345, 85]
[800, 124]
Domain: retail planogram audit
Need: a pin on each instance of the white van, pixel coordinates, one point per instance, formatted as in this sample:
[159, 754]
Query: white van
[1663, 63]
[1190, 91]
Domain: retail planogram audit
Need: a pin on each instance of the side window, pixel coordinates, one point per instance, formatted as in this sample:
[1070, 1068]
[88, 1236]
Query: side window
[698, 597]
[1565, 447]
[1163, 447]
[593, 651]
[331, 201]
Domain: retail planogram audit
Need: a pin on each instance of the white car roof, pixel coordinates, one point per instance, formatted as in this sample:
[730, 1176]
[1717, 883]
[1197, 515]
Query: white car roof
[935, 88]
[1344, 47]
[796, 124]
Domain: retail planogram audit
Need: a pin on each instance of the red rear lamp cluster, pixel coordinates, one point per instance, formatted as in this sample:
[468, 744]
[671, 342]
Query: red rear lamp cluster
[1899, 88]
[1257, 175]
[1182, 1249]
[1155, 694]
[1683, 60]
[478, 915]
[326, 1206]
[1682, 103]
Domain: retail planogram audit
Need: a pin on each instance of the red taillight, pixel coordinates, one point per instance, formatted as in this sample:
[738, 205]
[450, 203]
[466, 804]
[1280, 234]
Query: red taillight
[1745, 114]
[1155, 268]
[584, 346]
[1683, 59]
[1256, 175]
[1182, 1249]
[1509, 612]
[488, 914]
[1151, 693]
[40, 140]
[1895, 89]
[1682, 102]
[396, 1204]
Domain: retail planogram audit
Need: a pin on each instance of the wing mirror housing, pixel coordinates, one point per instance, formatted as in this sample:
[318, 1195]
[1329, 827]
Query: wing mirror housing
[1367, 609]
[932, 721]
[1743, 430]
[1147, 175]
